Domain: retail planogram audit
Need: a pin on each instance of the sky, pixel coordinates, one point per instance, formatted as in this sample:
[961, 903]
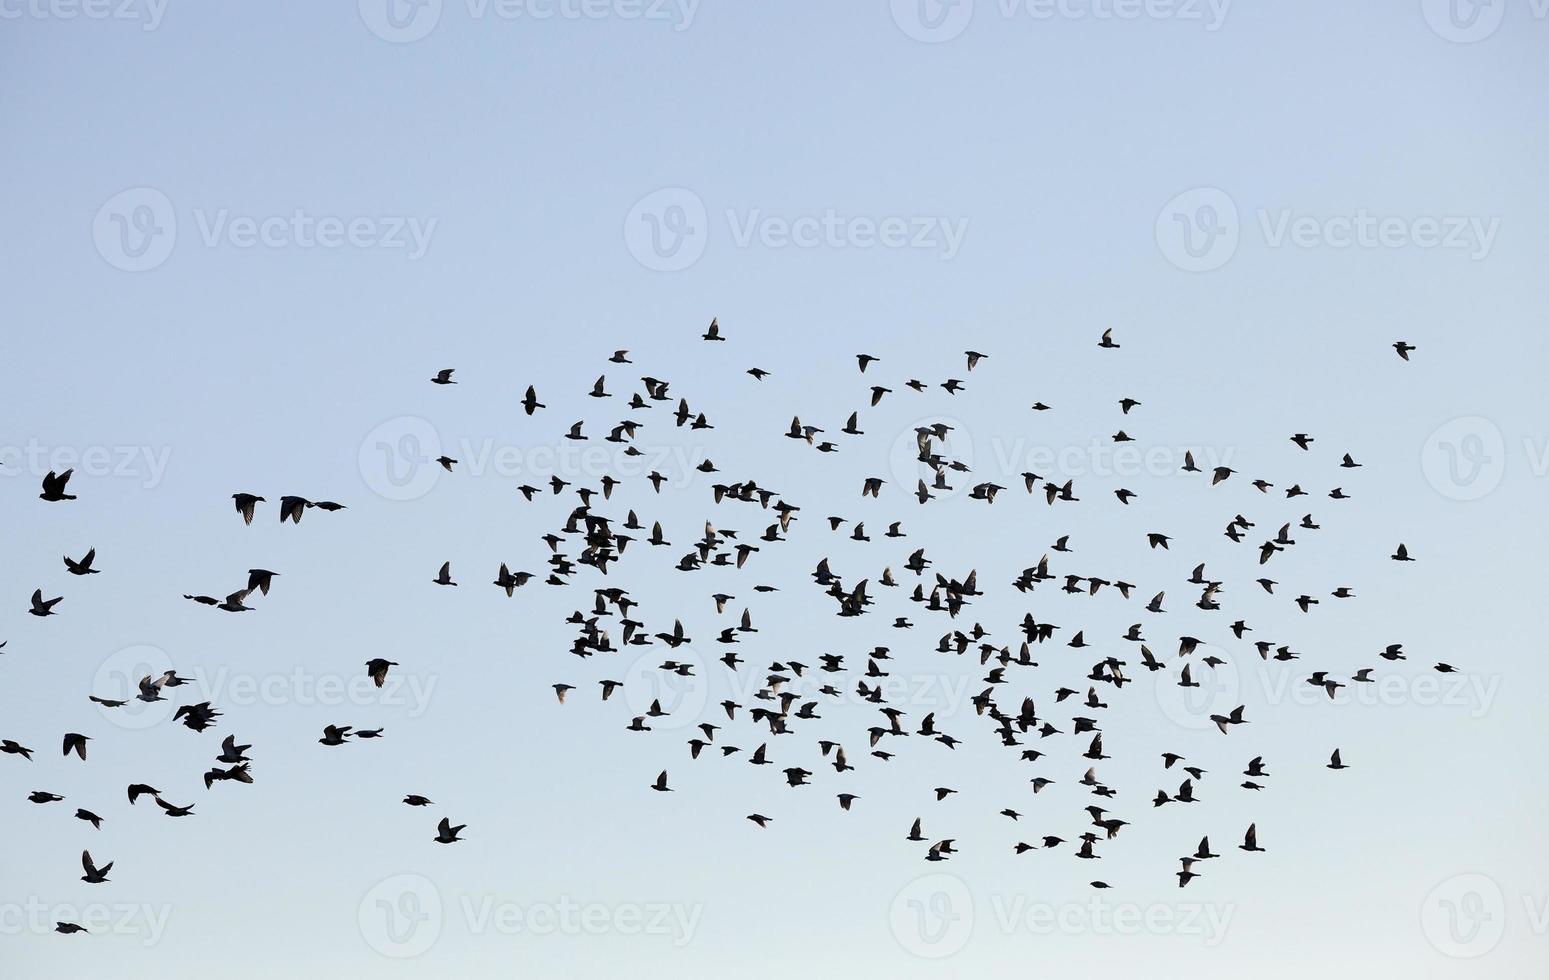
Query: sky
[242, 238]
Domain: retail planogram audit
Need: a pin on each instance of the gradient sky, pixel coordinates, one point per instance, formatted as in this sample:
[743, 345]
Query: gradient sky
[215, 284]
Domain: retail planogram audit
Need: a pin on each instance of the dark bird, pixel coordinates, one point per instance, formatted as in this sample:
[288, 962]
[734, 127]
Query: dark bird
[54, 486]
[41, 607]
[82, 567]
[246, 503]
[376, 667]
[335, 734]
[94, 875]
[530, 402]
[1250, 840]
[75, 742]
[260, 579]
[137, 790]
[10, 747]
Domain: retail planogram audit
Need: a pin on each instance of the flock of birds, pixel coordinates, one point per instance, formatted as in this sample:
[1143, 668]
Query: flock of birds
[593, 539]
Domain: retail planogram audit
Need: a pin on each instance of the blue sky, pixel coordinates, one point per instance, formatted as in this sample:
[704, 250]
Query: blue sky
[243, 238]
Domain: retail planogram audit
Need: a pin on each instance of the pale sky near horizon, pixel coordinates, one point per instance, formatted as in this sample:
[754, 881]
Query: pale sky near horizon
[242, 239]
